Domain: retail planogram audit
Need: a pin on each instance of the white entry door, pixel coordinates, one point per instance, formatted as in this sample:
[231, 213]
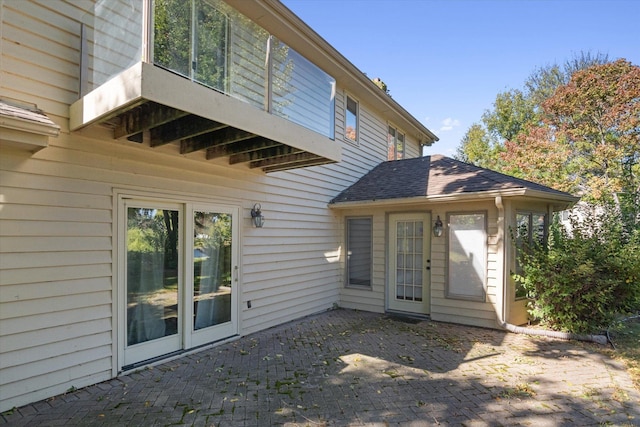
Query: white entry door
[408, 286]
[178, 277]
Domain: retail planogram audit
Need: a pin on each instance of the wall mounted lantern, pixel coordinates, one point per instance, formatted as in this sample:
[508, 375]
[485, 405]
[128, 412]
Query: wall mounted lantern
[256, 215]
[438, 227]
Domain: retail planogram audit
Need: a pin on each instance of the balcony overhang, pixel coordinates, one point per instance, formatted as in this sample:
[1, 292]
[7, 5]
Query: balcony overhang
[149, 105]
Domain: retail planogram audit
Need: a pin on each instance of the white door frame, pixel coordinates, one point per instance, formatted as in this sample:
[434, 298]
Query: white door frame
[412, 306]
[187, 337]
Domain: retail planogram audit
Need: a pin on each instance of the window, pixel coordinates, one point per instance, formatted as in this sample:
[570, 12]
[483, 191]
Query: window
[531, 231]
[351, 120]
[359, 251]
[467, 256]
[395, 144]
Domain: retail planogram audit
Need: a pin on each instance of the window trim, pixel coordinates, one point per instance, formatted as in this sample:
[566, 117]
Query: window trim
[348, 283]
[394, 145]
[545, 236]
[448, 293]
[347, 98]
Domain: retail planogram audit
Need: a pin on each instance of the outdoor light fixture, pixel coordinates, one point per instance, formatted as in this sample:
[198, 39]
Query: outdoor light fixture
[438, 227]
[256, 214]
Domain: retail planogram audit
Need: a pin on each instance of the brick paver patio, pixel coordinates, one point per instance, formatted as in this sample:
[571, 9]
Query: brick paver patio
[344, 368]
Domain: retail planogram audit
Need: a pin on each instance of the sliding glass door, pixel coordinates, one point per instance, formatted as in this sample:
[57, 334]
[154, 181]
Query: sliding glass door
[179, 278]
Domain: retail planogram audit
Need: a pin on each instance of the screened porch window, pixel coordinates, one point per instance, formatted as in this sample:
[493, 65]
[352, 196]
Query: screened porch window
[531, 231]
[359, 251]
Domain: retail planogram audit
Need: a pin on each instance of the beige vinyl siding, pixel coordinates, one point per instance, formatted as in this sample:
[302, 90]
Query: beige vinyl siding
[369, 299]
[41, 52]
[55, 282]
[448, 309]
[58, 218]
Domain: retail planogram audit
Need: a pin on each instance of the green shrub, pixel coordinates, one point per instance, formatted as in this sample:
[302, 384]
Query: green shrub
[586, 277]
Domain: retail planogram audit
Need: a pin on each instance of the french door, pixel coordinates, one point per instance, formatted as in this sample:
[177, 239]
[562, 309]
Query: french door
[408, 285]
[178, 277]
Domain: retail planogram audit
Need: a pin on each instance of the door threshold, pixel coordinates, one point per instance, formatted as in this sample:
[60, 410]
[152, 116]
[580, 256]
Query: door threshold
[407, 317]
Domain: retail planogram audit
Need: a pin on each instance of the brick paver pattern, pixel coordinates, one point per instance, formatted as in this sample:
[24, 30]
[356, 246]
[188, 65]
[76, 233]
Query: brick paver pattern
[350, 368]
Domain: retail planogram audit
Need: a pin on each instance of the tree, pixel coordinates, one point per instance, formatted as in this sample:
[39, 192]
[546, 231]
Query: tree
[598, 113]
[543, 82]
[537, 155]
[511, 113]
[477, 148]
[515, 112]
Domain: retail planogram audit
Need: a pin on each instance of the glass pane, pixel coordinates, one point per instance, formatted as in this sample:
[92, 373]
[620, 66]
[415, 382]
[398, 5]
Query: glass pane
[400, 277]
[538, 225]
[210, 66]
[400, 147]
[409, 292]
[351, 118]
[410, 228]
[359, 251]
[152, 274]
[467, 255]
[211, 269]
[302, 92]
[172, 35]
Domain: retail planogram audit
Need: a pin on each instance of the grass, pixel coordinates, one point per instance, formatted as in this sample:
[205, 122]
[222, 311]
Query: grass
[625, 336]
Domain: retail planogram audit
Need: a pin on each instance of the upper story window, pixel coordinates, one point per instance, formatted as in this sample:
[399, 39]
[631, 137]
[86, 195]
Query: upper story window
[395, 144]
[351, 120]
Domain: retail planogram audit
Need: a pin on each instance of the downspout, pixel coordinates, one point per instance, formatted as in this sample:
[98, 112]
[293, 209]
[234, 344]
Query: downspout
[502, 322]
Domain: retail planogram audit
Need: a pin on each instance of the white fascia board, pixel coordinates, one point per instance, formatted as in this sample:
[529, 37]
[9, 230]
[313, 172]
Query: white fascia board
[558, 201]
[112, 96]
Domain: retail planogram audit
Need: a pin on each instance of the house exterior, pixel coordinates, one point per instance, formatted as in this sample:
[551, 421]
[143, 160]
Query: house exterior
[139, 140]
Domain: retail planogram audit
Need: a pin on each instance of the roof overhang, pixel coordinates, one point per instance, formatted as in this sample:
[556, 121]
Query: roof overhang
[25, 127]
[558, 202]
[149, 105]
[278, 20]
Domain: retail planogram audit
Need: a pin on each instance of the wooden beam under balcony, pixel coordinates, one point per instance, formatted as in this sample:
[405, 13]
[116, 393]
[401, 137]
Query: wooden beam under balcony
[183, 128]
[144, 117]
[241, 147]
[278, 151]
[227, 135]
[283, 159]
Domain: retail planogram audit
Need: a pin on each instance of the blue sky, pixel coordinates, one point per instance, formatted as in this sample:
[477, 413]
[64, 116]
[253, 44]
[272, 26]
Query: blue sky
[446, 60]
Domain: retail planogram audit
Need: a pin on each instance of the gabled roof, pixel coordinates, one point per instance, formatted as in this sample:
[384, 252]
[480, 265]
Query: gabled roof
[435, 178]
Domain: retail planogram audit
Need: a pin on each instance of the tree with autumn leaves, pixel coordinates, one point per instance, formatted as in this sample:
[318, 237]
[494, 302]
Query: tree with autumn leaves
[584, 138]
[576, 131]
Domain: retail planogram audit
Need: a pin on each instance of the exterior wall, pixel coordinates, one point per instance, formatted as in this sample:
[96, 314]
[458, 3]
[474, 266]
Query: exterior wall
[448, 309]
[443, 308]
[516, 312]
[58, 218]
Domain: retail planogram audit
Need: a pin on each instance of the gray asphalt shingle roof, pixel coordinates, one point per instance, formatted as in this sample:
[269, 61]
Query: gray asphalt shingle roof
[434, 175]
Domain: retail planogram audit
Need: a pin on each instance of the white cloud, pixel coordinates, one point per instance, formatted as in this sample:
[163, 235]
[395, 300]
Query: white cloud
[448, 124]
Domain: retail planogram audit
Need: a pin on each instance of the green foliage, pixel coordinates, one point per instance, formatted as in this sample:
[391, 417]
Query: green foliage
[511, 113]
[586, 276]
[478, 148]
[574, 127]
